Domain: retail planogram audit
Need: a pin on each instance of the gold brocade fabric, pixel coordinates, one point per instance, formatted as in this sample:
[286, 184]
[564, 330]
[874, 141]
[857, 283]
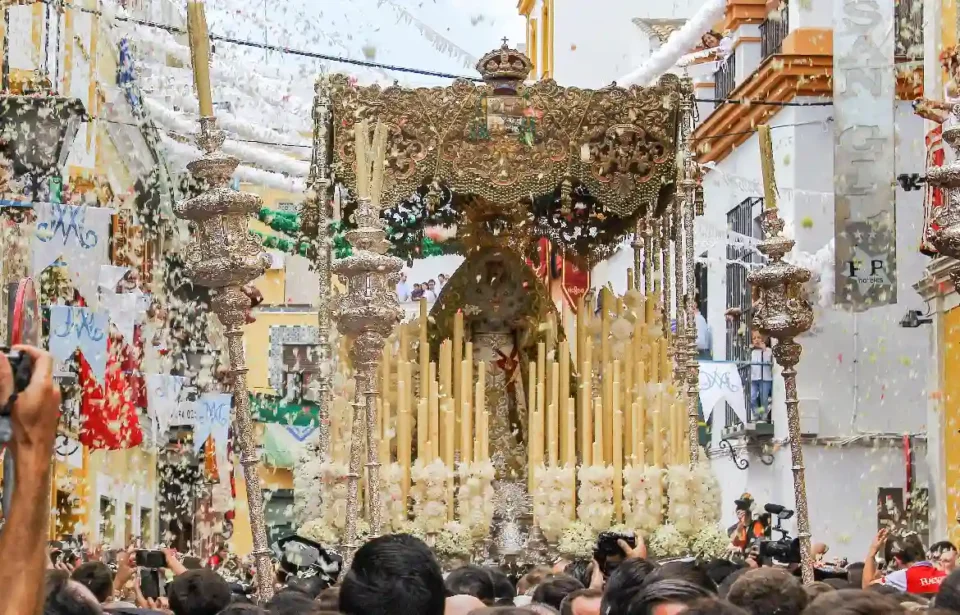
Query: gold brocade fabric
[504, 146]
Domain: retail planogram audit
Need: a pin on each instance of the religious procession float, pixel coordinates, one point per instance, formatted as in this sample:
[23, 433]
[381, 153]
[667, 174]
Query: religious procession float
[497, 425]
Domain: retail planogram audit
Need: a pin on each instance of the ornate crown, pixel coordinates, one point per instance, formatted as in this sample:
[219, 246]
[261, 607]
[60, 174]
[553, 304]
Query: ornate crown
[504, 67]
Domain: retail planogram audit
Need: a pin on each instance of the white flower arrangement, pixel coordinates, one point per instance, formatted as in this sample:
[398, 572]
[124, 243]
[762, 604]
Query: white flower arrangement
[577, 540]
[308, 488]
[391, 487]
[327, 527]
[709, 542]
[708, 496]
[553, 499]
[454, 538]
[667, 541]
[681, 510]
[475, 498]
[643, 497]
[429, 490]
[596, 497]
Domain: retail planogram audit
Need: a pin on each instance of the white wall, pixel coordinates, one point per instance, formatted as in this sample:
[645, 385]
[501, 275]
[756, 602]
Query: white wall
[597, 43]
[593, 46]
[863, 371]
[859, 373]
[842, 485]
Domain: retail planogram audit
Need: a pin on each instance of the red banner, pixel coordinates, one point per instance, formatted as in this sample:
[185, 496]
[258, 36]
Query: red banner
[574, 282]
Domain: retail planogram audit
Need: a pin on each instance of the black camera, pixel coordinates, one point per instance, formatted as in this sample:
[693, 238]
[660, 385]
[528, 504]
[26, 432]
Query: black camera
[22, 368]
[608, 548]
[785, 549]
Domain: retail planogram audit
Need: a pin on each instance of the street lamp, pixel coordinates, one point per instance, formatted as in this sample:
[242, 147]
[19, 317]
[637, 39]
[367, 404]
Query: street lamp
[36, 133]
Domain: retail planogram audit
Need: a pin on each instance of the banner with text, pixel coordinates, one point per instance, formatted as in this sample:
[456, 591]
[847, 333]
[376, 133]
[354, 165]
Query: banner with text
[864, 95]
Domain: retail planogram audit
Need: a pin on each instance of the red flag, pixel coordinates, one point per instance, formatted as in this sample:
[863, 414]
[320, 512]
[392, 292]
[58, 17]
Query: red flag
[108, 412]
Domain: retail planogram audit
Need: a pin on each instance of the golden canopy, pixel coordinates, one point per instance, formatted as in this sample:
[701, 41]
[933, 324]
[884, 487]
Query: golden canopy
[508, 142]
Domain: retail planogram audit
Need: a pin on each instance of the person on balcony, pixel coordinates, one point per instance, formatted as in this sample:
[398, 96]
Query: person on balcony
[761, 377]
[403, 289]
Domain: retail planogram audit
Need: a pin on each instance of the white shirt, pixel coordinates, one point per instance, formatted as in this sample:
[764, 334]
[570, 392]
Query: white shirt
[760, 372]
[403, 291]
[429, 295]
[704, 334]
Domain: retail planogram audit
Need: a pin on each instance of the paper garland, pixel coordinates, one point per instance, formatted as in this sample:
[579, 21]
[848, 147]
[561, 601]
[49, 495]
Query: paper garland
[79, 235]
[73, 328]
[720, 381]
[163, 399]
[213, 421]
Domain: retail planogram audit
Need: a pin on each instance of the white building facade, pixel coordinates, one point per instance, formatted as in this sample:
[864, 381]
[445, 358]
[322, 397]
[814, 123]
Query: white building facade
[863, 378]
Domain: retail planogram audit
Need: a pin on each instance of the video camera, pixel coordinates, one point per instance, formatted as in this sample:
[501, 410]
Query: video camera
[785, 549]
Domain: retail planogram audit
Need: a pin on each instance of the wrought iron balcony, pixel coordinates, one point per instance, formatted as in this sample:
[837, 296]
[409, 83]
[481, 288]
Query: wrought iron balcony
[725, 79]
[772, 32]
[908, 29]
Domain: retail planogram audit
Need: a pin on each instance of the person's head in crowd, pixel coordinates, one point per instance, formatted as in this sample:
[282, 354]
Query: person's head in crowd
[533, 578]
[904, 551]
[391, 574]
[768, 590]
[504, 610]
[541, 609]
[64, 596]
[198, 592]
[462, 605]
[694, 572]
[727, 583]
[720, 569]
[854, 602]
[97, 577]
[581, 570]
[243, 609]
[582, 602]
[949, 595]
[432, 284]
[624, 584]
[554, 589]
[442, 279]
[815, 589]
[855, 574]
[329, 599]
[713, 606]
[943, 555]
[311, 586]
[292, 602]
[839, 583]
[819, 550]
[473, 581]
[666, 597]
[503, 590]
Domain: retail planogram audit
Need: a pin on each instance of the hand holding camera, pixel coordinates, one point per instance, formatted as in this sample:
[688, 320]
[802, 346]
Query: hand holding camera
[30, 399]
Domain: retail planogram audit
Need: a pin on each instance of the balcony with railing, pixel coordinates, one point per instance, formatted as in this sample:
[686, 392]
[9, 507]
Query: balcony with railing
[725, 78]
[908, 30]
[773, 30]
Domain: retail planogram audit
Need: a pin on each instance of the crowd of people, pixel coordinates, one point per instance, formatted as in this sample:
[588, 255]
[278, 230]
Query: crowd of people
[428, 290]
[400, 575]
